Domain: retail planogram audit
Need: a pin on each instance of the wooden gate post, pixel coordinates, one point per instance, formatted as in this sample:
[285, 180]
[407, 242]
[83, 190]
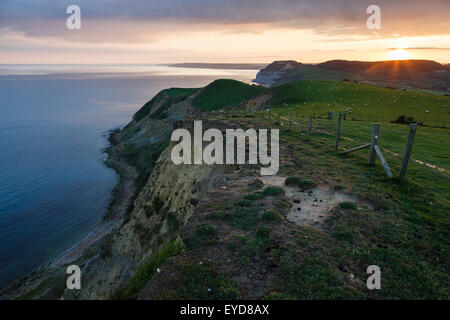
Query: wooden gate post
[373, 143]
[309, 128]
[408, 149]
[338, 132]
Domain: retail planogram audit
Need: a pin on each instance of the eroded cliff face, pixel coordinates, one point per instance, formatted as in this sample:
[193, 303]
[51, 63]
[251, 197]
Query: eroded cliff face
[161, 209]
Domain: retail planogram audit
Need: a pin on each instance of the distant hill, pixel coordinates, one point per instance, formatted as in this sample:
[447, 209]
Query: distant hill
[424, 74]
[236, 66]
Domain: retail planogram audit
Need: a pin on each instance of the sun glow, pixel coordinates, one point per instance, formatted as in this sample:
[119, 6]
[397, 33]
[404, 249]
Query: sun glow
[399, 54]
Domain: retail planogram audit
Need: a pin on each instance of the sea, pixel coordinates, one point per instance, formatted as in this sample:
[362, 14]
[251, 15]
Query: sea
[54, 186]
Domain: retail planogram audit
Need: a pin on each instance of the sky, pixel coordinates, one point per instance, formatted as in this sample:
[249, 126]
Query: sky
[258, 31]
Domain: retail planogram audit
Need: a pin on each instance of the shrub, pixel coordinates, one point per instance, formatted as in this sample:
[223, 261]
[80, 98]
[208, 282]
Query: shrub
[293, 180]
[218, 215]
[245, 218]
[206, 231]
[256, 184]
[253, 196]
[271, 215]
[347, 205]
[307, 183]
[200, 282]
[243, 203]
[272, 191]
[263, 232]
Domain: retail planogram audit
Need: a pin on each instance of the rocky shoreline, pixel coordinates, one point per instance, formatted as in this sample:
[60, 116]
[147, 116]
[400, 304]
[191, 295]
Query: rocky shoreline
[122, 194]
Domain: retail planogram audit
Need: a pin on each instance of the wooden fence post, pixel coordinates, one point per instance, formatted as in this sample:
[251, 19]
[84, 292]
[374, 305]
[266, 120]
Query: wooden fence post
[338, 132]
[408, 149]
[290, 119]
[309, 128]
[373, 142]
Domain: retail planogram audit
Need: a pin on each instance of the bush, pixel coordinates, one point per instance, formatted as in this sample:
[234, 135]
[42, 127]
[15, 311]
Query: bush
[263, 233]
[307, 183]
[253, 196]
[243, 203]
[348, 205]
[292, 181]
[271, 215]
[206, 231]
[218, 215]
[272, 191]
[245, 218]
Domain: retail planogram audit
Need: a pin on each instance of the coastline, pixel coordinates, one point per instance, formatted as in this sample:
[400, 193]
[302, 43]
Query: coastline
[113, 218]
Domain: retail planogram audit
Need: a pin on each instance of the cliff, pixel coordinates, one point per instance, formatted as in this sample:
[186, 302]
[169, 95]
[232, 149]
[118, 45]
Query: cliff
[225, 232]
[423, 74]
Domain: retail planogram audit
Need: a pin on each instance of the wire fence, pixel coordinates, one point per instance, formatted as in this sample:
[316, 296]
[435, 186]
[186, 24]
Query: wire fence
[355, 133]
[429, 158]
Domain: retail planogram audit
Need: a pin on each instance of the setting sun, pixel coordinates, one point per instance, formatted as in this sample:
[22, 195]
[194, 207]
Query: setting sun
[399, 54]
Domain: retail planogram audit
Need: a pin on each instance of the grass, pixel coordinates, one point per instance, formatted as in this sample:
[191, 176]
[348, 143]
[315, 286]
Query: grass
[225, 93]
[348, 205]
[146, 271]
[271, 215]
[272, 191]
[306, 183]
[166, 97]
[292, 180]
[243, 203]
[245, 218]
[204, 234]
[200, 282]
[407, 234]
[366, 102]
[254, 196]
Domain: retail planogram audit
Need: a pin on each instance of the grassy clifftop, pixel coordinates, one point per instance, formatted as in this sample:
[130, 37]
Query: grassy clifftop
[165, 98]
[366, 102]
[225, 93]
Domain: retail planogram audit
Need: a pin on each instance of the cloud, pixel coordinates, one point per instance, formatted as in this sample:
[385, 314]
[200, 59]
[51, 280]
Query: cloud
[134, 21]
[422, 48]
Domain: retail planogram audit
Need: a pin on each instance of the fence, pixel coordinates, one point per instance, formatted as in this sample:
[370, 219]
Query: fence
[363, 136]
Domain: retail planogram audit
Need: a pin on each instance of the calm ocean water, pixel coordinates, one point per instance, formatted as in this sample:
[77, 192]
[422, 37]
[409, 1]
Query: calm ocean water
[54, 187]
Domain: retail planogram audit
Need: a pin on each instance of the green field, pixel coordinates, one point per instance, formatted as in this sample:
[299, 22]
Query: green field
[406, 231]
[366, 102]
[225, 93]
[172, 95]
